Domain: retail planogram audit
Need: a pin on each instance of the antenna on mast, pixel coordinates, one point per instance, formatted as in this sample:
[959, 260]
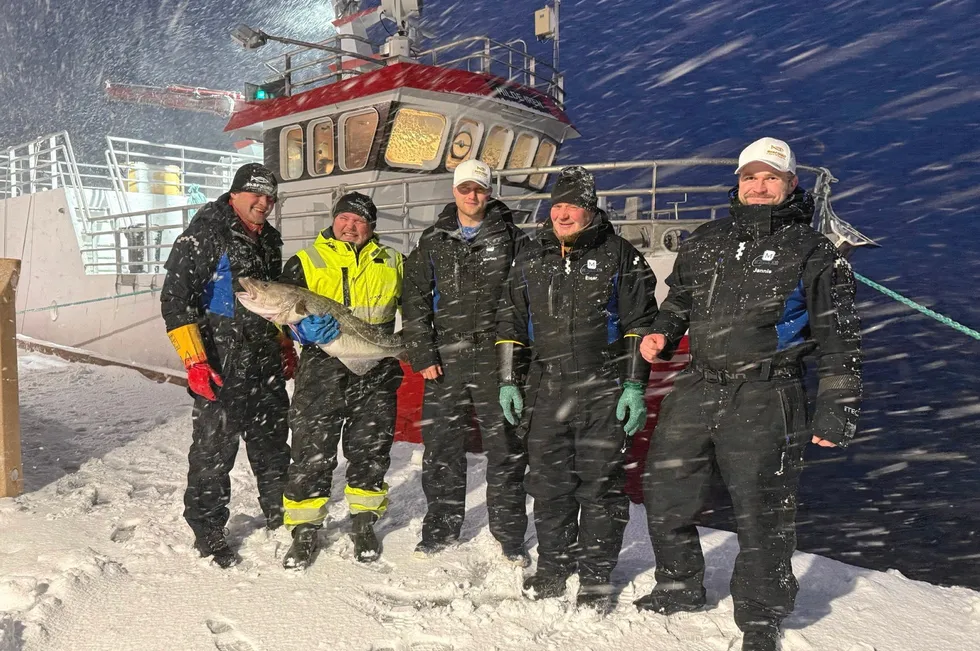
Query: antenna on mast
[405, 14]
[547, 27]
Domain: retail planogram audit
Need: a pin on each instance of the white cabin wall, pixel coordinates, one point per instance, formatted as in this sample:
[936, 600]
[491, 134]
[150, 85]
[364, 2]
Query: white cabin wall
[37, 229]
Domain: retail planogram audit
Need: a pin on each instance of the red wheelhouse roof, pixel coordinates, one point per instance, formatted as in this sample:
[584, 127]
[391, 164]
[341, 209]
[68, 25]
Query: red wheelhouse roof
[391, 77]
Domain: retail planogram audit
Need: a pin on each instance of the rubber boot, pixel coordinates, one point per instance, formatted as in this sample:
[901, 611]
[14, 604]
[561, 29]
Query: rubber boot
[544, 586]
[300, 554]
[213, 544]
[595, 596]
[366, 545]
[767, 640]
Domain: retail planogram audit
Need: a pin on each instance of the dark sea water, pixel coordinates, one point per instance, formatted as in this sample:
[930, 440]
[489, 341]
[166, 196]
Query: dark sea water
[883, 92]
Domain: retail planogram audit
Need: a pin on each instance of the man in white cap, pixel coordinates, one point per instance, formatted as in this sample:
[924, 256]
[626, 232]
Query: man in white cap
[453, 281]
[759, 291]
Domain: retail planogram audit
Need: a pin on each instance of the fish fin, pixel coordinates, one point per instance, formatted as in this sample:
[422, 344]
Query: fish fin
[359, 366]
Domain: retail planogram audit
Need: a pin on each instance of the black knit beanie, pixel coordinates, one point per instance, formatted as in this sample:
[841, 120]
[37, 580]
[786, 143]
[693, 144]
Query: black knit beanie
[359, 204]
[253, 177]
[575, 185]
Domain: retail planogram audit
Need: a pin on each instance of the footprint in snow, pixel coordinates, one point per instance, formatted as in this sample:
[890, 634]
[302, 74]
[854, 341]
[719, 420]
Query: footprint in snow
[226, 637]
[124, 531]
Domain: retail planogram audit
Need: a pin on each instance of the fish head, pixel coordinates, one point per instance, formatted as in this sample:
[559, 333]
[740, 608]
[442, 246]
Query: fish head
[282, 304]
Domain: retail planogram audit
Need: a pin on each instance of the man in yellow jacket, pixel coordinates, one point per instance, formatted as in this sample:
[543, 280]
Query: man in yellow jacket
[349, 265]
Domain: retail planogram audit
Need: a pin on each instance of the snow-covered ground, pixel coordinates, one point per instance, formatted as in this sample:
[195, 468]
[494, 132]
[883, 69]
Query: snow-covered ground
[95, 555]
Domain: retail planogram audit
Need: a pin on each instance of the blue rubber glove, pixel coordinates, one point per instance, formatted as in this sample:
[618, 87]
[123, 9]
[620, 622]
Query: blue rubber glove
[511, 402]
[316, 329]
[632, 399]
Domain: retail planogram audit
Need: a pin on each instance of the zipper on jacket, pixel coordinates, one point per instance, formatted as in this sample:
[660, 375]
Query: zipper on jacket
[345, 272]
[711, 288]
[551, 297]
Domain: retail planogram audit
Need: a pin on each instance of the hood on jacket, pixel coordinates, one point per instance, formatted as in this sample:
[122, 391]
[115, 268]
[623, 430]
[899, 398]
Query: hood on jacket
[759, 221]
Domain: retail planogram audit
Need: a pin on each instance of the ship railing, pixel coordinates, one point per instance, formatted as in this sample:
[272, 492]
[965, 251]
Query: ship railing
[135, 242]
[45, 163]
[647, 202]
[301, 68]
[510, 61]
[657, 205]
[170, 170]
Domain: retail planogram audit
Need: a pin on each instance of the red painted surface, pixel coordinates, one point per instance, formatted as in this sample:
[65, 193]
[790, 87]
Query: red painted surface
[407, 423]
[353, 17]
[662, 376]
[412, 389]
[391, 77]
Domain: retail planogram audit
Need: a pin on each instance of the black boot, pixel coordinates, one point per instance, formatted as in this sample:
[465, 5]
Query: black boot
[213, 544]
[300, 554]
[668, 602]
[596, 596]
[273, 520]
[544, 586]
[760, 640]
[366, 545]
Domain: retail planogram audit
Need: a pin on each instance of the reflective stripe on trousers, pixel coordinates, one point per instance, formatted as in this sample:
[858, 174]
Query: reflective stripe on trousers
[311, 511]
[360, 500]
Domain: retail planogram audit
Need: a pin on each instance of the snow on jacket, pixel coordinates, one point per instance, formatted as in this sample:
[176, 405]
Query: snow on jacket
[573, 306]
[762, 290]
[452, 286]
[203, 269]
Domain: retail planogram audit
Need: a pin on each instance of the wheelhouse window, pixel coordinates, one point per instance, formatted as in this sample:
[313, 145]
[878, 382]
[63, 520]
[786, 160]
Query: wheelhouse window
[523, 153]
[323, 156]
[544, 157]
[357, 137]
[416, 139]
[464, 144]
[497, 146]
[291, 153]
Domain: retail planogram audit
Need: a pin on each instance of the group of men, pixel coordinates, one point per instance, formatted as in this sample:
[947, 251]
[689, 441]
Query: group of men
[545, 345]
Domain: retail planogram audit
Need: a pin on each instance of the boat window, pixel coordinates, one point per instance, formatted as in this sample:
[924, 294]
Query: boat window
[496, 147]
[322, 152]
[416, 139]
[464, 144]
[524, 149]
[357, 131]
[543, 158]
[291, 153]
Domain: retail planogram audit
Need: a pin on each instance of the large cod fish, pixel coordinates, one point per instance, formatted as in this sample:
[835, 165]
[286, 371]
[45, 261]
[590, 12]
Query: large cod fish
[360, 346]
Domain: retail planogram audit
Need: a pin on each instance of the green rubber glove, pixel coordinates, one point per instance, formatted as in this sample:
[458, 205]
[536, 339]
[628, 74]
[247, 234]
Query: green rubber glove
[511, 402]
[632, 399]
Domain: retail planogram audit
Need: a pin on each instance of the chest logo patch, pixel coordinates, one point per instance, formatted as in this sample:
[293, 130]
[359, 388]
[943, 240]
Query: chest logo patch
[767, 259]
[591, 264]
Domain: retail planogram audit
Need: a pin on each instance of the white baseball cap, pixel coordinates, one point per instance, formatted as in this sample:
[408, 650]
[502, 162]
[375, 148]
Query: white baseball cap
[770, 151]
[473, 170]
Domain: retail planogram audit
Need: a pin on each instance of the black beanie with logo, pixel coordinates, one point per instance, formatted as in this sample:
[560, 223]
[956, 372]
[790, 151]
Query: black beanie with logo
[359, 204]
[253, 177]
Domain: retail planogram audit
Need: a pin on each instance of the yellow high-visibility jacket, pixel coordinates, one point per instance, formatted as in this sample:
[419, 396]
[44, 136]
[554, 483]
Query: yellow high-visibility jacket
[369, 281]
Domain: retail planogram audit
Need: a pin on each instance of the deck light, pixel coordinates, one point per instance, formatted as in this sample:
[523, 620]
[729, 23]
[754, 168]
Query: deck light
[249, 38]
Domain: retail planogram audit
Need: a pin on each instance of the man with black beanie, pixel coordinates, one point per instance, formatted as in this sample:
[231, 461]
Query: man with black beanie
[237, 362]
[347, 264]
[579, 297]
